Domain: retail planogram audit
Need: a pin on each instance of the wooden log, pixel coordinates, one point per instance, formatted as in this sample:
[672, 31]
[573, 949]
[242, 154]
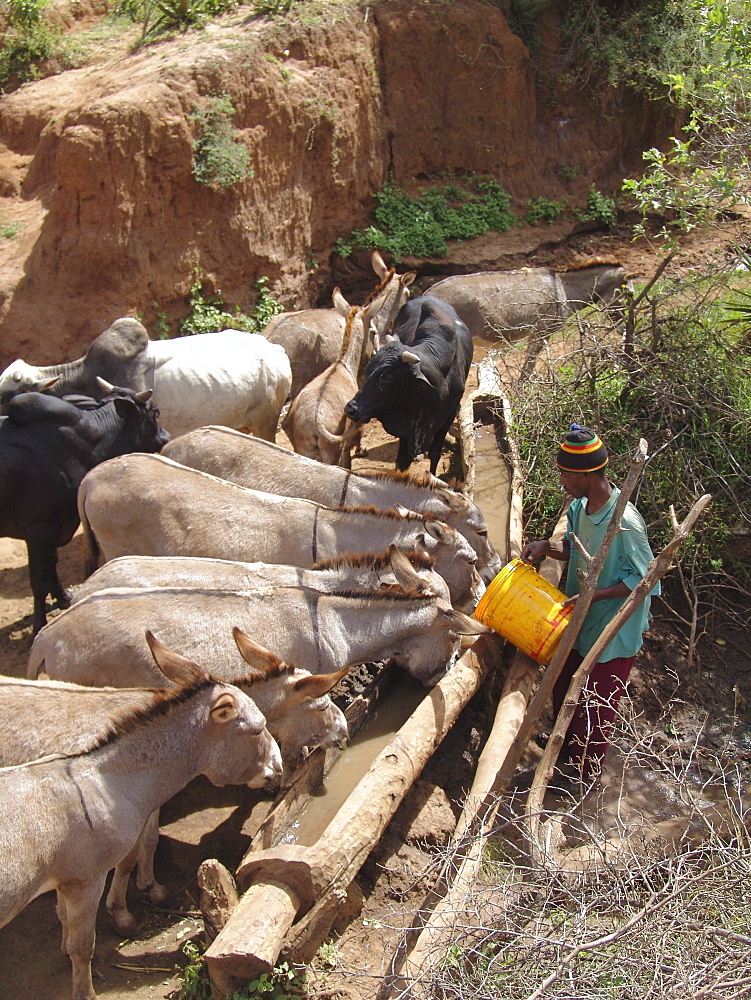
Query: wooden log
[218, 896]
[288, 880]
[442, 908]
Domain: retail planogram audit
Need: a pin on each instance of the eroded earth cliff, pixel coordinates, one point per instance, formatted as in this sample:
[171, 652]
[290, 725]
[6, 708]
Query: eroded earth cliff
[96, 163]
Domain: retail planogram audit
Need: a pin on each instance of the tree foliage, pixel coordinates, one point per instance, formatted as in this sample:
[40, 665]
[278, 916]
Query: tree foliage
[706, 170]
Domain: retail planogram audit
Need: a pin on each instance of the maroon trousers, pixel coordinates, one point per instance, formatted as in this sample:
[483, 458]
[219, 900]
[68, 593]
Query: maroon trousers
[592, 723]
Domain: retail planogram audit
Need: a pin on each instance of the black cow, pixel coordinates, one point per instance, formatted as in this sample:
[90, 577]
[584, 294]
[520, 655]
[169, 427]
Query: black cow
[47, 446]
[414, 384]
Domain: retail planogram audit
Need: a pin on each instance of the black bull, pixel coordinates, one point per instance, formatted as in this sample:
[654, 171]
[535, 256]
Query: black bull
[47, 446]
[414, 384]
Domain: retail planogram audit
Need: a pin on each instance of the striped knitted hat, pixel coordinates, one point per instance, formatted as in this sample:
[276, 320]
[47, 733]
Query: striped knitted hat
[582, 451]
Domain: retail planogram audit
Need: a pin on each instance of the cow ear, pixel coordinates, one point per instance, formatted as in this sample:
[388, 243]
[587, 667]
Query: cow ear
[176, 668]
[317, 685]
[255, 655]
[412, 359]
[44, 384]
[125, 407]
[454, 501]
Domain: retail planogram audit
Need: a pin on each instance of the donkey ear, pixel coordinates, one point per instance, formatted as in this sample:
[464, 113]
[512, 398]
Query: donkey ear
[317, 685]
[454, 501]
[438, 530]
[462, 624]
[378, 264]
[404, 571]
[224, 708]
[255, 655]
[176, 668]
[340, 303]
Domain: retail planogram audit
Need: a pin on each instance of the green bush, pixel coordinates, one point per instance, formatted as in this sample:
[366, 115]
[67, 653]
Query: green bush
[543, 210]
[208, 315]
[282, 983]
[421, 226]
[272, 8]
[685, 386]
[568, 171]
[219, 158]
[601, 208]
[633, 44]
[24, 48]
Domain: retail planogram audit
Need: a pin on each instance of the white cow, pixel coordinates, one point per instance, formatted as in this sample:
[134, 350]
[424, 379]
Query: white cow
[230, 377]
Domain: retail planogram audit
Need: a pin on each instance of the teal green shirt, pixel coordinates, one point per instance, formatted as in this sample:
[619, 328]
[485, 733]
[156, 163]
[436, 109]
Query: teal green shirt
[626, 562]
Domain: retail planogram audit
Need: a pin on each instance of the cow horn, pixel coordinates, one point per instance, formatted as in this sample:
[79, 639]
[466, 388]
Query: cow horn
[144, 396]
[410, 358]
[105, 385]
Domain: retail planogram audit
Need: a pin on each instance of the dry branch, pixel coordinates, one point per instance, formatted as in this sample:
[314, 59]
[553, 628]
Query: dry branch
[657, 568]
[583, 602]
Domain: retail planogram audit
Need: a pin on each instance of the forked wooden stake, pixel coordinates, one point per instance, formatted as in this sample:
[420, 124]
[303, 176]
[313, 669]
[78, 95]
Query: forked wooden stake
[657, 568]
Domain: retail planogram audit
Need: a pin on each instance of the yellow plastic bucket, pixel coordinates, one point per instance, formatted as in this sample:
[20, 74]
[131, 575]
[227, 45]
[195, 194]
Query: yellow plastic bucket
[525, 609]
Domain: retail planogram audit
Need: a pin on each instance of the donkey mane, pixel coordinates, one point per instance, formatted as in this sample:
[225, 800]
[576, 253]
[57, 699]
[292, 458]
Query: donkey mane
[347, 331]
[390, 514]
[390, 592]
[380, 286]
[247, 681]
[371, 560]
[596, 262]
[166, 700]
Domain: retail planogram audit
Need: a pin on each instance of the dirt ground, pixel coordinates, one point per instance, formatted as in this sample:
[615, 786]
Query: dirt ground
[711, 704]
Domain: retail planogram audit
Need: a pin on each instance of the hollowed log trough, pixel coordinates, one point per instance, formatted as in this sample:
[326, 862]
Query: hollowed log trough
[293, 893]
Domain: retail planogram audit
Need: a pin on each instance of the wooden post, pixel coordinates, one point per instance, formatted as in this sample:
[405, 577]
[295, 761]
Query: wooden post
[442, 908]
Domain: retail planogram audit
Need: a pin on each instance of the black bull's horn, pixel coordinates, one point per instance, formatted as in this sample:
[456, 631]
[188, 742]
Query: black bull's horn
[108, 387]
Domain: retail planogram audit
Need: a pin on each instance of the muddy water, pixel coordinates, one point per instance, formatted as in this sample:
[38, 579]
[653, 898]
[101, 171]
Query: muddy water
[492, 487]
[387, 718]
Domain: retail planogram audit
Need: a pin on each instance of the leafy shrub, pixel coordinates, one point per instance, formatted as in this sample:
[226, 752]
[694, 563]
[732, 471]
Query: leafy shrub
[601, 208]
[266, 305]
[282, 983]
[633, 44]
[24, 48]
[421, 226]
[568, 171]
[208, 315]
[219, 158]
[272, 8]
[684, 385]
[543, 210]
[8, 230]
